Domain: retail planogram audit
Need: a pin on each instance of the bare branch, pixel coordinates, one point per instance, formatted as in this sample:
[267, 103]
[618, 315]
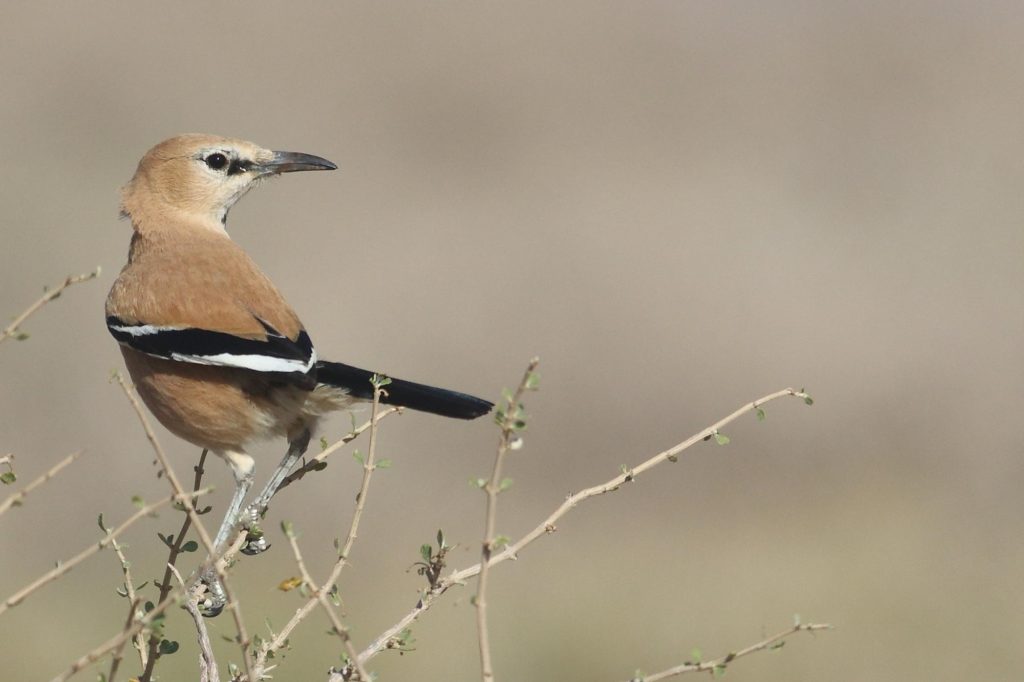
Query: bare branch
[361, 673]
[11, 330]
[208, 671]
[547, 526]
[65, 566]
[718, 665]
[15, 499]
[117, 640]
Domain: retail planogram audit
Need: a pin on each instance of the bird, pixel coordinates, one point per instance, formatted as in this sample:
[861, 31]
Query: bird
[214, 350]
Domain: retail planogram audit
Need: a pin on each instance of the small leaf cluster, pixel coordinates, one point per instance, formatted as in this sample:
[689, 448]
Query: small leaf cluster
[433, 563]
[156, 626]
[401, 642]
[8, 477]
[511, 416]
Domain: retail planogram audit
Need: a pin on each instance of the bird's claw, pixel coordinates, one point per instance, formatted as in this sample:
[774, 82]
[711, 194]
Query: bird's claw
[215, 598]
[255, 541]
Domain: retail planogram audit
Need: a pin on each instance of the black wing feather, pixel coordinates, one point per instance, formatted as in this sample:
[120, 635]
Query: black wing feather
[193, 345]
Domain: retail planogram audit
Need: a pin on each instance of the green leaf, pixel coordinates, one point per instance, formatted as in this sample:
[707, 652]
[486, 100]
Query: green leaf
[8, 477]
[288, 529]
[167, 647]
[190, 546]
[323, 443]
[99, 522]
[695, 655]
[808, 400]
[138, 502]
[426, 551]
[384, 464]
[672, 458]
[440, 539]
[719, 671]
[358, 456]
[532, 381]
[721, 438]
[505, 484]
[760, 414]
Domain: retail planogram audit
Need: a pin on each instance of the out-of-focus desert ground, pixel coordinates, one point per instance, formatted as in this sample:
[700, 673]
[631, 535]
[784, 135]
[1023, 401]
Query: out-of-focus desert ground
[679, 206]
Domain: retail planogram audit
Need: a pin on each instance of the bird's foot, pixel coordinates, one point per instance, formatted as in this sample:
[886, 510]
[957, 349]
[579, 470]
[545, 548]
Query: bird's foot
[255, 541]
[212, 597]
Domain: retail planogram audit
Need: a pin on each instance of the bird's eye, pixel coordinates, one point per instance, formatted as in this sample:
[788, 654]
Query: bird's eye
[216, 161]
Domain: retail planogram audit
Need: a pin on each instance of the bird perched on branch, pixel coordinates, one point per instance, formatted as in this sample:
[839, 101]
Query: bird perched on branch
[215, 351]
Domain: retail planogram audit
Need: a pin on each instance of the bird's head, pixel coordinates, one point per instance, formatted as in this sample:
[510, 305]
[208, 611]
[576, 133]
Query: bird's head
[202, 176]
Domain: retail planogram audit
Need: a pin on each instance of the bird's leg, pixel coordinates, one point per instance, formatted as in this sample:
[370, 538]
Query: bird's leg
[242, 467]
[255, 541]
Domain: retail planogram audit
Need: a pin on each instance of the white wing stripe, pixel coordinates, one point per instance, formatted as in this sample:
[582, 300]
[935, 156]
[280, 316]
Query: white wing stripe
[257, 363]
[144, 329]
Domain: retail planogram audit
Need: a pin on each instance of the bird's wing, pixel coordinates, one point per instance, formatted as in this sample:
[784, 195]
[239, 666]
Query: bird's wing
[203, 301]
[274, 352]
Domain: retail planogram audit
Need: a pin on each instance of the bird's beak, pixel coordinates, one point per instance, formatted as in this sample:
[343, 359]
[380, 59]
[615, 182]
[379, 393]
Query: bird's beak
[288, 162]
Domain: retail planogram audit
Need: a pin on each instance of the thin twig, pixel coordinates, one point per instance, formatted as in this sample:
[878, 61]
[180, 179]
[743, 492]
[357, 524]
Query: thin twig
[511, 423]
[117, 656]
[314, 463]
[718, 665]
[336, 624]
[65, 566]
[232, 603]
[138, 642]
[172, 557]
[369, 465]
[15, 499]
[386, 639]
[12, 329]
[117, 640]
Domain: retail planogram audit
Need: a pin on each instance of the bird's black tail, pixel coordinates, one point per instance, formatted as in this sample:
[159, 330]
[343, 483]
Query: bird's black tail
[356, 382]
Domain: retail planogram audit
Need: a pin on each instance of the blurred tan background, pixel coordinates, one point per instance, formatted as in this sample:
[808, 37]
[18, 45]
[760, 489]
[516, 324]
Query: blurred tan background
[680, 206]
